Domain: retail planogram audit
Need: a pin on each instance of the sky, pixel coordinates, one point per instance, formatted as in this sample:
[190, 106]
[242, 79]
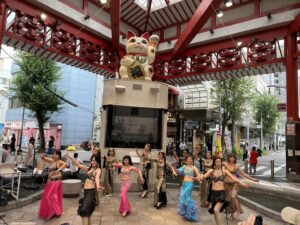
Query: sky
[7, 61]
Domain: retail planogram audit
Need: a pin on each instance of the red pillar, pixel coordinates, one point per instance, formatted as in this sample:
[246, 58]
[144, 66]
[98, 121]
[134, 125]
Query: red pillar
[293, 123]
[292, 77]
[3, 13]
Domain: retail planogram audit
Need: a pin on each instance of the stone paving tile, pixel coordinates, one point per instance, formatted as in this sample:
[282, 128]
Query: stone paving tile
[143, 213]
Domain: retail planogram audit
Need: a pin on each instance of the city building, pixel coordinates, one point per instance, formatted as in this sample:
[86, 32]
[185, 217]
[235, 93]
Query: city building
[5, 80]
[73, 125]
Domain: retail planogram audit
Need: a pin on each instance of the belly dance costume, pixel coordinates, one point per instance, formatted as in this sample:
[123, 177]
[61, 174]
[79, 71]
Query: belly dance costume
[232, 189]
[52, 200]
[187, 206]
[160, 195]
[145, 171]
[125, 186]
[87, 204]
[182, 163]
[206, 183]
[217, 196]
[109, 175]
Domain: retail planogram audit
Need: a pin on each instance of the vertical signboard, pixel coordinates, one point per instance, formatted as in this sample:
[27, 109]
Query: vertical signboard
[293, 150]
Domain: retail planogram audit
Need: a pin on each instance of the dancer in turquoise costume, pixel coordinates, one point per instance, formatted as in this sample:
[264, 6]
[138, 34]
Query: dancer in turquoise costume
[187, 206]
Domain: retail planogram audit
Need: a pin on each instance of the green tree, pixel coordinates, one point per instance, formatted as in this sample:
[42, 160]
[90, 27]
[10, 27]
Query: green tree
[232, 95]
[266, 111]
[35, 76]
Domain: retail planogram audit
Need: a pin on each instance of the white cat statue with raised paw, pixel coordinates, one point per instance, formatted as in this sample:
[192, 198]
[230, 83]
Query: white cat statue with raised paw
[140, 55]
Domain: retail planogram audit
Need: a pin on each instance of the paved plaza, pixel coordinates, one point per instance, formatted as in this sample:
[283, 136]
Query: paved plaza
[107, 213]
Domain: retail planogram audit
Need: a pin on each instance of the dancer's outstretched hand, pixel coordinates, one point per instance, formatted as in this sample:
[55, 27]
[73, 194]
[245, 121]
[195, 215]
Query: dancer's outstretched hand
[174, 172]
[200, 178]
[246, 186]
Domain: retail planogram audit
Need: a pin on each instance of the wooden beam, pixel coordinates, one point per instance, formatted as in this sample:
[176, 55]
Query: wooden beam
[200, 17]
[115, 14]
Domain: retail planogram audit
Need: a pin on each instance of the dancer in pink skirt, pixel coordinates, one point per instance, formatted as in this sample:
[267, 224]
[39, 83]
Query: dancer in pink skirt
[52, 200]
[126, 169]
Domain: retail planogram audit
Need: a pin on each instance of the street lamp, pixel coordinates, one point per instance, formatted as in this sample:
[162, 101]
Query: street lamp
[262, 128]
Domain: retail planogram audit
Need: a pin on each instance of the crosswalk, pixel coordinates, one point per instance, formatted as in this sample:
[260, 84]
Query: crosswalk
[265, 171]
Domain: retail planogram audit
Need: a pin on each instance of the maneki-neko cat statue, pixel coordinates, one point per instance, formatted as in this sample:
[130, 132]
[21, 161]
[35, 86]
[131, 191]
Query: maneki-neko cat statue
[136, 64]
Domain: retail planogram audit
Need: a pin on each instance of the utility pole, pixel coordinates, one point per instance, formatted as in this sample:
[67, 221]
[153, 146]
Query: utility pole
[220, 114]
[261, 133]
[21, 135]
[248, 130]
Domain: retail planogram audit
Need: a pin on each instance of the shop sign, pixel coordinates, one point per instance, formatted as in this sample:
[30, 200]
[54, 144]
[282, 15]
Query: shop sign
[290, 129]
[171, 119]
[191, 124]
[34, 124]
[17, 124]
[14, 125]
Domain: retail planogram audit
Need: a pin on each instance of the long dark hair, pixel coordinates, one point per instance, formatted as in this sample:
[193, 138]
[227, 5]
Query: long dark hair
[97, 156]
[105, 157]
[98, 160]
[214, 161]
[58, 152]
[31, 140]
[208, 152]
[231, 155]
[190, 156]
[129, 159]
[113, 151]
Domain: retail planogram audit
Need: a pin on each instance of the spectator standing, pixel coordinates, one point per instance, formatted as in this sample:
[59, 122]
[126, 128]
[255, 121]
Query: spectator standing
[30, 153]
[253, 160]
[5, 140]
[270, 149]
[50, 145]
[182, 146]
[73, 165]
[245, 152]
[12, 144]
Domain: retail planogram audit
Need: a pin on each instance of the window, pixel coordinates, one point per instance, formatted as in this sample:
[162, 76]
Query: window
[14, 103]
[130, 127]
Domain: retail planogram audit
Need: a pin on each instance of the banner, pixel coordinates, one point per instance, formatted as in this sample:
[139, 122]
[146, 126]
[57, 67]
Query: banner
[217, 144]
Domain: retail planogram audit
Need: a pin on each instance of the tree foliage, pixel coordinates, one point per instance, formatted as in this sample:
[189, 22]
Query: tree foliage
[232, 95]
[266, 109]
[35, 76]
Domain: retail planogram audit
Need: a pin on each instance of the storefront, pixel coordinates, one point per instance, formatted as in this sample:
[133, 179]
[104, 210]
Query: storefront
[30, 129]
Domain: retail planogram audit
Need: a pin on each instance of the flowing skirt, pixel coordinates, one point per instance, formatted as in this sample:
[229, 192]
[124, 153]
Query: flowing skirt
[87, 204]
[125, 204]
[108, 181]
[217, 196]
[187, 206]
[52, 200]
[232, 190]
